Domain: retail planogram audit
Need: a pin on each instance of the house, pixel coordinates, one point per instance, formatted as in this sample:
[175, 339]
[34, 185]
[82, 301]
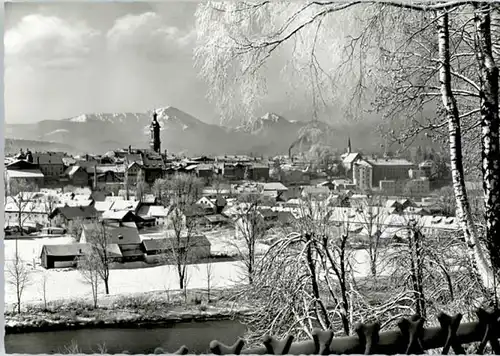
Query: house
[122, 204]
[125, 235]
[64, 216]
[196, 246]
[234, 171]
[24, 171]
[205, 171]
[133, 170]
[157, 213]
[212, 205]
[61, 256]
[51, 165]
[348, 160]
[277, 188]
[121, 216]
[153, 165]
[102, 206]
[399, 205]
[259, 172]
[32, 213]
[76, 176]
[34, 177]
[217, 220]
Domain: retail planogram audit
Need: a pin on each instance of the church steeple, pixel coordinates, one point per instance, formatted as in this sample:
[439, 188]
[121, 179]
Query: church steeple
[349, 144]
[155, 143]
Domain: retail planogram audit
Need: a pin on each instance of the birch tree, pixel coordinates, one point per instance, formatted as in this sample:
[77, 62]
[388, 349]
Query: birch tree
[183, 192]
[88, 266]
[239, 39]
[488, 94]
[250, 225]
[98, 241]
[18, 275]
[372, 218]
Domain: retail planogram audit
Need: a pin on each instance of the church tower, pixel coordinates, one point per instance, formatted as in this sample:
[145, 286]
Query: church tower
[349, 144]
[155, 134]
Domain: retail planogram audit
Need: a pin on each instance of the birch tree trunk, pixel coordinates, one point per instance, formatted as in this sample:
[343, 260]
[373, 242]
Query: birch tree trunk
[478, 259]
[488, 74]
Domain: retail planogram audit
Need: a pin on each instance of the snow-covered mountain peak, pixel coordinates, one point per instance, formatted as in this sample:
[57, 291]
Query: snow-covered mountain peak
[79, 118]
[272, 117]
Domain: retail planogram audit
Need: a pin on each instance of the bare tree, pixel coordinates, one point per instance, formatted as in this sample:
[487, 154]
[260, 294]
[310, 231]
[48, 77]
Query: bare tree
[18, 275]
[140, 186]
[179, 242]
[218, 184]
[126, 182]
[50, 202]
[250, 225]
[431, 265]
[306, 274]
[372, 217]
[209, 269]
[43, 287]
[88, 266]
[98, 241]
[76, 228]
[160, 190]
[183, 192]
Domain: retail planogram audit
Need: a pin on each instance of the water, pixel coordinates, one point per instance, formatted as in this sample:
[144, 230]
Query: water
[195, 335]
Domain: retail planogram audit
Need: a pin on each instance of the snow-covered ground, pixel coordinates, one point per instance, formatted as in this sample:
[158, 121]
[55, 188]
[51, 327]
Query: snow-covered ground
[68, 283]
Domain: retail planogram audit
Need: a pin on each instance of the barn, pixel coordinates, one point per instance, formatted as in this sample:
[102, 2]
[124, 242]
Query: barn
[199, 247]
[60, 256]
[125, 235]
[66, 255]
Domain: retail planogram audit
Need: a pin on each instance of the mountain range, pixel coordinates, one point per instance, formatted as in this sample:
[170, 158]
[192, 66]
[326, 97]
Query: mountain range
[180, 133]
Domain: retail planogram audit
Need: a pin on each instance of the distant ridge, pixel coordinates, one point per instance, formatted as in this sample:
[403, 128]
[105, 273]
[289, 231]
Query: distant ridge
[269, 134]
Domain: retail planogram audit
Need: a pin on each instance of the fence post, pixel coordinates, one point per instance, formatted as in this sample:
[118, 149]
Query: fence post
[322, 340]
[277, 347]
[449, 325]
[368, 336]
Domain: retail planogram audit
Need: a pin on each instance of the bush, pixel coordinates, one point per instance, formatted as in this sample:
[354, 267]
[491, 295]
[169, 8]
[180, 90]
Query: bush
[132, 302]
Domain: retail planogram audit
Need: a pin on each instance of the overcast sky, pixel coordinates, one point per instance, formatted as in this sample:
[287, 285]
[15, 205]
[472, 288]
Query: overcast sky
[64, 59]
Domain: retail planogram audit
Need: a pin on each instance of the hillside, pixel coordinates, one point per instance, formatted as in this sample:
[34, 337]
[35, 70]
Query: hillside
[180, 132]
[13, 146]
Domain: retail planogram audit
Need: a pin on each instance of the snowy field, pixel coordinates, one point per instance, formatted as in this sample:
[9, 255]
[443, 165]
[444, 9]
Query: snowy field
[68, 283]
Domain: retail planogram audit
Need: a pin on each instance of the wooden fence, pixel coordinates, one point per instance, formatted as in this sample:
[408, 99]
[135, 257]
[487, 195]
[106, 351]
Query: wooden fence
[411, 338]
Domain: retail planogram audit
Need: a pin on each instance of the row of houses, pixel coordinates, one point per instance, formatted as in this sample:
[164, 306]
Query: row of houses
[57, 169]
[124, 244]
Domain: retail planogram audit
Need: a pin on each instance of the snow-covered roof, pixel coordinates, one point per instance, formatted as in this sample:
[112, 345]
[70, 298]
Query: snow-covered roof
[277, 186]
[125, 205]
[102, 206]
[349, 157]
[28, 207]
[26, 174]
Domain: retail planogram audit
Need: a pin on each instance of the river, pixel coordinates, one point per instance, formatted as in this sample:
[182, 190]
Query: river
[195, 335]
